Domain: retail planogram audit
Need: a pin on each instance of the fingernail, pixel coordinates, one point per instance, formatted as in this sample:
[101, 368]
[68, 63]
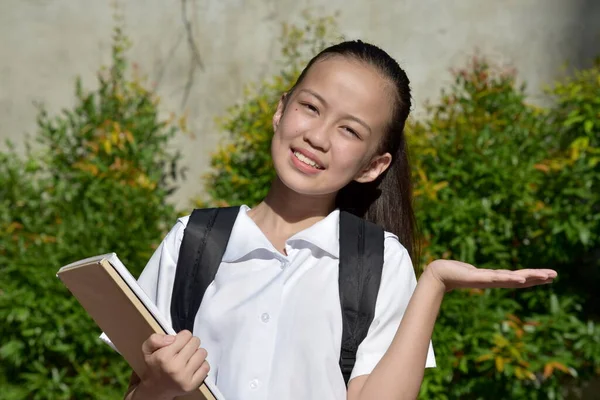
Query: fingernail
[169, 339]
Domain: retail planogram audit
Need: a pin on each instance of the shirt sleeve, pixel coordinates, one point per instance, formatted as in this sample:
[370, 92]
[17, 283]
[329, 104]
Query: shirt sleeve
[398, 282]
[158, 277]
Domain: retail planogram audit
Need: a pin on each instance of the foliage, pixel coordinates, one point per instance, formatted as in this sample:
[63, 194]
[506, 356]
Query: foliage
[485, 154]
[98, 183]
[495, 178]
[570, 186]
[475, 155]
[499, 350]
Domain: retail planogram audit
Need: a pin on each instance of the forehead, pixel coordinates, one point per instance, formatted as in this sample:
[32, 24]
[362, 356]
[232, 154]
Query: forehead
[352, 87]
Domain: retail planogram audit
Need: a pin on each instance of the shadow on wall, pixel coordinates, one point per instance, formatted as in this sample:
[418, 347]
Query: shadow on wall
[586, 46]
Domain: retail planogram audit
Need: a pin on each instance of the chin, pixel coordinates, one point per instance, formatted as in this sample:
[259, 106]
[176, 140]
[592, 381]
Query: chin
[306, 185]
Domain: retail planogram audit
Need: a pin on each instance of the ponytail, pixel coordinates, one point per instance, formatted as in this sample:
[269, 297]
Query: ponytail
[387, 201]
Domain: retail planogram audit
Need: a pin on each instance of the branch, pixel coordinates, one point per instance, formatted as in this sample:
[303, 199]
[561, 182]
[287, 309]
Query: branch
[196, 58]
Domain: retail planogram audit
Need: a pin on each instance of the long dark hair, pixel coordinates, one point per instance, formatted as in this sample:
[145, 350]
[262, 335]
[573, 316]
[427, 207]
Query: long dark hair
[387, 201]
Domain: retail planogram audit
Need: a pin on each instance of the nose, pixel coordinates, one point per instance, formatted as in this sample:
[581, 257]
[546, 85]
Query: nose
[318, 137]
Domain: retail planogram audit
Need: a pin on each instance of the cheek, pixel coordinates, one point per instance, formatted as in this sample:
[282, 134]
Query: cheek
[349, 157]
[293, 123]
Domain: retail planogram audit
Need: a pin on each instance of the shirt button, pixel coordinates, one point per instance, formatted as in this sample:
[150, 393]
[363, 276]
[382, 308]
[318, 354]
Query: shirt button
[265, 317]
[254, 383]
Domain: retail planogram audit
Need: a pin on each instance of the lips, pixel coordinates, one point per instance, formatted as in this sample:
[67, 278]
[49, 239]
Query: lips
[308, 158]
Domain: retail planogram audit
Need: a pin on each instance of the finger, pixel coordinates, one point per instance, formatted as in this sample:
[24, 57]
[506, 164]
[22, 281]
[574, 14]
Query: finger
[514, 281]
[526, 271]
[504, 276]
[530, 277]
[181, 339]
[503, 273]
[488, 278]
[538, 272]
[536, 283]
[525, 274]
[196, 360]
[200, 374]
[155, 342]
[188, 350]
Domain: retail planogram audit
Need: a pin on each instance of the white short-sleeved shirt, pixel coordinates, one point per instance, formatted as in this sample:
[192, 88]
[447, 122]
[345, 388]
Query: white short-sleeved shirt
[271, 323]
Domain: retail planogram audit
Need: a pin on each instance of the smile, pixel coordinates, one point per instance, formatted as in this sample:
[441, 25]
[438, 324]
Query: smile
[301, 157]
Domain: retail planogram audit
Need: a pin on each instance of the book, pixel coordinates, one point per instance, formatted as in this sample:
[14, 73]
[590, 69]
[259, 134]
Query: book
[121, 309]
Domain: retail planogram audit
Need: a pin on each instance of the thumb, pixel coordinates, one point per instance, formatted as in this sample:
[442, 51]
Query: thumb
[156, 342]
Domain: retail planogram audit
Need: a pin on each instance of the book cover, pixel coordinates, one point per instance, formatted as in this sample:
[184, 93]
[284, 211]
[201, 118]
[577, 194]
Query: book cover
[119, 306]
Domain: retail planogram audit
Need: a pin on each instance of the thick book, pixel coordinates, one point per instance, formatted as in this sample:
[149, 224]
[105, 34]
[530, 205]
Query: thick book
[113, 298]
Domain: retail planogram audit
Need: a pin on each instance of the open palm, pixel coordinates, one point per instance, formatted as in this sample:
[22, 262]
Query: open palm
[455, 275]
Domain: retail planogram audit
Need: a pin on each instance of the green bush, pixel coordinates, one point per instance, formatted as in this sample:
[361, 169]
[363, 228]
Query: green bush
[569, 191]
[483, 153]
[495, 178]
[98, 182]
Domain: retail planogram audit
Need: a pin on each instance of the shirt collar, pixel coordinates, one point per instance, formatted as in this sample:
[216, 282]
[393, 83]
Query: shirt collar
[324, 234]
[246, 236]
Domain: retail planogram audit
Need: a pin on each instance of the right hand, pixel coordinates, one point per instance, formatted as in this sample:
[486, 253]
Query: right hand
[176, 365]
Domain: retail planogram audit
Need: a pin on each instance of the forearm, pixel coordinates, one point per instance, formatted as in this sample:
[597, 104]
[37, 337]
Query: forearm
[140, 392]
[130, 393]
[134, 381]
[399, 373]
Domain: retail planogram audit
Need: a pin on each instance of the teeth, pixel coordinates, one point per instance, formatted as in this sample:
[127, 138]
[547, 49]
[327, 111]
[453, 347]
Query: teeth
[306, 160]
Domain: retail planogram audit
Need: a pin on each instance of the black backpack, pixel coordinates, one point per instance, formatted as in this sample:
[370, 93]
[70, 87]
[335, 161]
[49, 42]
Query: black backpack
[361, 261]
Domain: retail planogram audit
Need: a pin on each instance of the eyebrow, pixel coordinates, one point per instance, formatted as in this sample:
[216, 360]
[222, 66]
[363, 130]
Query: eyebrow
[348, 116]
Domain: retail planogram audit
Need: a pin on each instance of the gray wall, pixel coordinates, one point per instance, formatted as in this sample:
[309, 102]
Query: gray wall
[44, 44]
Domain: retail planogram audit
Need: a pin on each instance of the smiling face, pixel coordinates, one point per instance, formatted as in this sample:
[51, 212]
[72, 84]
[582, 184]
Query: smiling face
[328, 131]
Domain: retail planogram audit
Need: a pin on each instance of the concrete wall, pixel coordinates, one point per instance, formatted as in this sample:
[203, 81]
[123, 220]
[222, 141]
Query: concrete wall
[44, 44]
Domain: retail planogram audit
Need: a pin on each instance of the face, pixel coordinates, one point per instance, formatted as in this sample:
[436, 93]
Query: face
[328, 131]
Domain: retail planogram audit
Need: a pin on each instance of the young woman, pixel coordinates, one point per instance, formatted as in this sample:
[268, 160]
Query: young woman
[270, 323]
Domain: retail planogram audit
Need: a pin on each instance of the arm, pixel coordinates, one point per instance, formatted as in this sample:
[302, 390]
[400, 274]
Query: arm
[399, 373]
[134, 381]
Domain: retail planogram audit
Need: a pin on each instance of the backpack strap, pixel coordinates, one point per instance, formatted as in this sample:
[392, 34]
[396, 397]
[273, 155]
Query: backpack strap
[204, 242]
[361, 264]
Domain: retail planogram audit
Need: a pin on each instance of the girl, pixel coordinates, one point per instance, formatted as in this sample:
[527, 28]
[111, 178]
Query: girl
[270, 322]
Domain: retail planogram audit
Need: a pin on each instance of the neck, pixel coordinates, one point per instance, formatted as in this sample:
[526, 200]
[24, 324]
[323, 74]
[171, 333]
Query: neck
[287, 212]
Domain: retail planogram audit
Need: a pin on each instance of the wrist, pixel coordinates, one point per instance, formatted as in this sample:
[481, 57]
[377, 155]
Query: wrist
[146, 390]
[431, 279]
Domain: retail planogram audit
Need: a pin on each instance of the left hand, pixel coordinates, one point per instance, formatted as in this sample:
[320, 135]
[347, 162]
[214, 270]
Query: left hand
[456, 275]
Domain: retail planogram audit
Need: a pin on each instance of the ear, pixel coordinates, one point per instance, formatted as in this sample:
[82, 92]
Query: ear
[376, 167]
[279, 112]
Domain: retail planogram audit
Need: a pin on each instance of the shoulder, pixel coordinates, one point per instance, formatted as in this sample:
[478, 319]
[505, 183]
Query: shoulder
[398, 277]
[394, 251]
[181, 223]
[175, 235]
